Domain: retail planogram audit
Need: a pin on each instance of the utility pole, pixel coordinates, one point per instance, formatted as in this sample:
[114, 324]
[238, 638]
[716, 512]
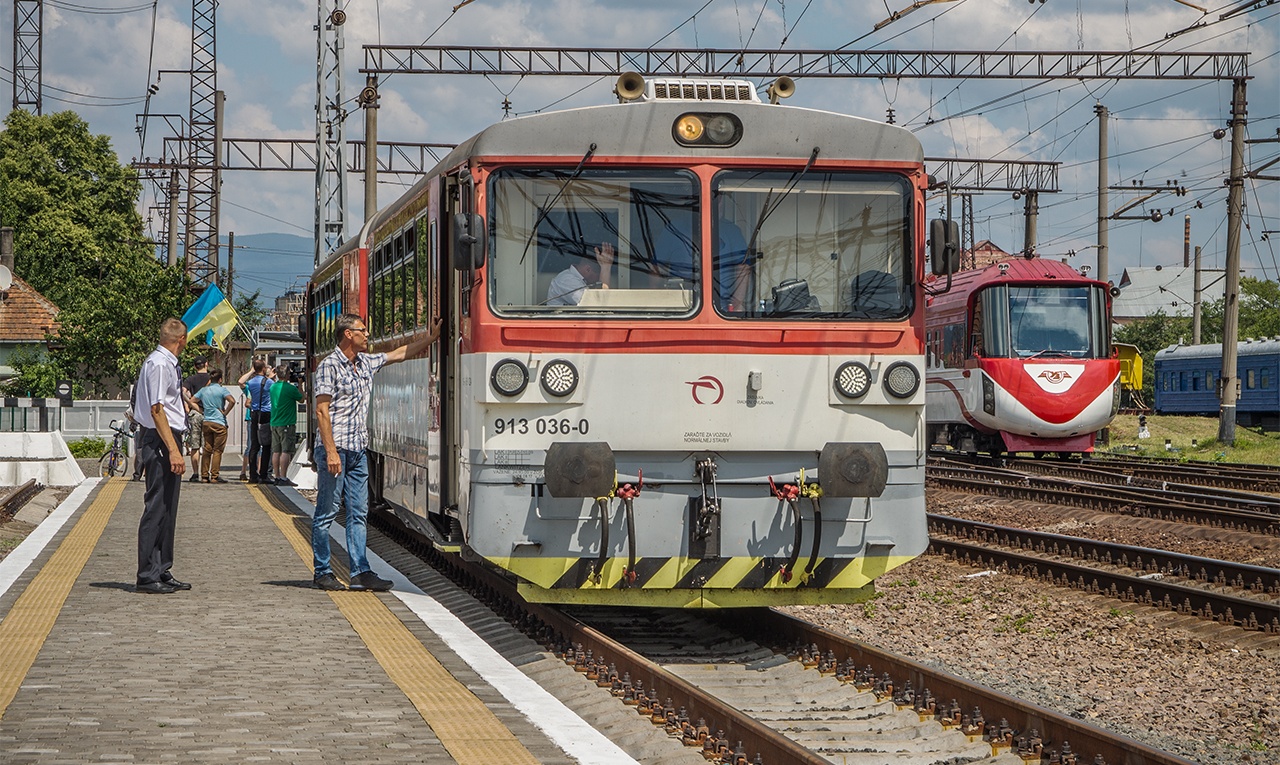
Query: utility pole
[172, 242]
[369, 100]
[28, 51]
[1231, 309]
[1103, 203]
[231, 264]
[1031, 209]
[1195, 306]
[1186, 241]
[331, 142]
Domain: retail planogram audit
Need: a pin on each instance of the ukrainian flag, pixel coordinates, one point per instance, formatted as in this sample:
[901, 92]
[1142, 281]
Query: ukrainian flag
[213, 314]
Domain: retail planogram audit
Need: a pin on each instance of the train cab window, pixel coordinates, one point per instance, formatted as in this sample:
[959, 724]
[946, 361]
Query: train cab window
[813, 246]
[1048, 321]
[600, 241]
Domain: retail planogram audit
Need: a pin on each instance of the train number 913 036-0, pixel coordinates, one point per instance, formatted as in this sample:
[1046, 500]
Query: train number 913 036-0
[542, 426]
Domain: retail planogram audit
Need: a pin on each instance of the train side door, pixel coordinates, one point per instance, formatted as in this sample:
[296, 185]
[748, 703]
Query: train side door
[454, 285]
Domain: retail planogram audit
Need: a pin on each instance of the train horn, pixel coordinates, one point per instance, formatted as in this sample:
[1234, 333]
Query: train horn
[630, 87]
[783, 87]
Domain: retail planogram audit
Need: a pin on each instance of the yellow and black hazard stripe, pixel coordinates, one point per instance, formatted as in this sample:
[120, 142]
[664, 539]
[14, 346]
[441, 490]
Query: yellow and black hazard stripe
[696, 582]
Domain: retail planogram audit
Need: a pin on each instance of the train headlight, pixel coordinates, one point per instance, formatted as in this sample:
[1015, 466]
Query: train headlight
[853, 379]
[901, 380]
[707, 129]
[720, 129]
[689, 128]
[988, 395]
[559, 378]
[509, 377]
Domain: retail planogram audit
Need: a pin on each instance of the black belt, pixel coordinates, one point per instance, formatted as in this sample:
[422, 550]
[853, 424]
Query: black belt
[177, 434]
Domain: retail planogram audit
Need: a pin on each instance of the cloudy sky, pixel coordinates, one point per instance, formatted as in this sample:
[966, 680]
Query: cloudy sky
[100, 64]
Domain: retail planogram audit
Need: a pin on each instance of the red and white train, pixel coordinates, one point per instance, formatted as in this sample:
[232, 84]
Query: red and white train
[660, 441]
[1020, 360]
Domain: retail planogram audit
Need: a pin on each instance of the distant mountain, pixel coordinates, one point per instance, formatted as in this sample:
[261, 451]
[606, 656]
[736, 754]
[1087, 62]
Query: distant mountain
[273, 263]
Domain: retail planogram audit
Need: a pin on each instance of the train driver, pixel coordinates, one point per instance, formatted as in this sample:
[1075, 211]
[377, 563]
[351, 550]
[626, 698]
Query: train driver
[568, 287]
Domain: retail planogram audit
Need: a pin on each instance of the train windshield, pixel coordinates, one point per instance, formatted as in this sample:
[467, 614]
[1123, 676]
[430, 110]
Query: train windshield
[1044, 322]
[812, 245]
[595, 241]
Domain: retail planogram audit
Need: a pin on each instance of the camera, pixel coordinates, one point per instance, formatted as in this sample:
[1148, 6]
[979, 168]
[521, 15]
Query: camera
[296, 373]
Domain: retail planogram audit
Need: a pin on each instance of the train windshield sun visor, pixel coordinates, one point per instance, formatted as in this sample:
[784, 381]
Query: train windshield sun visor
[595, 241]
[812, 246]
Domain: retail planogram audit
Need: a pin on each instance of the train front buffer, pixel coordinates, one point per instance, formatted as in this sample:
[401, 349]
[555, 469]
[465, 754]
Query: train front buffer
[696, 481]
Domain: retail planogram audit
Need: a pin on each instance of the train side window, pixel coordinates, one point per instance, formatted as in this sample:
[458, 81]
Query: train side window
[1195, 381]
[1264, 378]
[1251, 379]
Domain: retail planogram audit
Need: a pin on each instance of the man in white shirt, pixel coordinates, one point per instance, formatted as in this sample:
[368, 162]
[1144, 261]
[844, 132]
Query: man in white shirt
[161, 414]
[570, 284]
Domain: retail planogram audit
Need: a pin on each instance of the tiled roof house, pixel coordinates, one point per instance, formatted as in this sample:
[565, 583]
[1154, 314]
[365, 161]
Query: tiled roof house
[27, 318]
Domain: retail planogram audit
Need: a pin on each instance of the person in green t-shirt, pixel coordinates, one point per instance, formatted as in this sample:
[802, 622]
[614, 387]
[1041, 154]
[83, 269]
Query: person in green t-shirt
[284, 424]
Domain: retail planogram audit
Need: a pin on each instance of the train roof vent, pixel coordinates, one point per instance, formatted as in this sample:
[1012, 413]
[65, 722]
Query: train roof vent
[700, 90]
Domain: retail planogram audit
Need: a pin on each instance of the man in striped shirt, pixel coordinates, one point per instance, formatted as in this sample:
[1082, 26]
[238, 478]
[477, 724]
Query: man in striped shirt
[342, 383]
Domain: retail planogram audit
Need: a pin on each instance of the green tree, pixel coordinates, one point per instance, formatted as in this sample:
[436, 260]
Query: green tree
[1259, 308]
[36, 374]
[78, 240]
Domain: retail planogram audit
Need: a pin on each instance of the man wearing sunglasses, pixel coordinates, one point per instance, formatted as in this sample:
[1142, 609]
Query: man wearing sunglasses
[343, 382]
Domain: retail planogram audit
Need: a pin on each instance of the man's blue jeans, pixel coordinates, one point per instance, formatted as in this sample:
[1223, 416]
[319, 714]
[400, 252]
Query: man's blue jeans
[351, 484]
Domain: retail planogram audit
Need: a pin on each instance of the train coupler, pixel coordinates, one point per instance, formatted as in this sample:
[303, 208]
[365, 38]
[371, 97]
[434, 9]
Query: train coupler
[704, 513]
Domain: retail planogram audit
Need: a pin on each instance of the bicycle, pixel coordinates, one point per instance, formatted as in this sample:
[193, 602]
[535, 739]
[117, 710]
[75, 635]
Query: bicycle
[115, 459]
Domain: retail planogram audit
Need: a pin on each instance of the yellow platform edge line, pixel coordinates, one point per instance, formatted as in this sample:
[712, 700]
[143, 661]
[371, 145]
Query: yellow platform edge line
[467, 729]
[29, 622]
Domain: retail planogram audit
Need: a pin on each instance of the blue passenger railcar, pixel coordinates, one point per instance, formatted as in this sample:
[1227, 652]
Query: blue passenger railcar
[1187, 379]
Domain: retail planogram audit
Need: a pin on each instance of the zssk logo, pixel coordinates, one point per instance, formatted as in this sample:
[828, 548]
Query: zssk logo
[706, 387]
[1054, 376]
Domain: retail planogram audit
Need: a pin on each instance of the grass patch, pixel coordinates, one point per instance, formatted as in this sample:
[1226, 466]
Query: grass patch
[1252, 444]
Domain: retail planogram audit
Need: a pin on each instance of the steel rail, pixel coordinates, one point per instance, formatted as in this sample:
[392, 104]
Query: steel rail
[19, 496]
[1085, 739]
[1222, 573]
[1142, 503]
[773, 747]
[1246, 613]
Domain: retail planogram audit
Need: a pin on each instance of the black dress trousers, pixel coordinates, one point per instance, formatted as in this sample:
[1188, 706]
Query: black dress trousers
[160, 507]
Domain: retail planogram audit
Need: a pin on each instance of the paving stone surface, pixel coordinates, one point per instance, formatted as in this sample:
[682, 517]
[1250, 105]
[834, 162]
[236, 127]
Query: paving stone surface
[251, 665]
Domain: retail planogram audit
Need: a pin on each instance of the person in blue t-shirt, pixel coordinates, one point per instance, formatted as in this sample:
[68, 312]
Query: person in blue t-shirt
[257, 383]
[216, 401]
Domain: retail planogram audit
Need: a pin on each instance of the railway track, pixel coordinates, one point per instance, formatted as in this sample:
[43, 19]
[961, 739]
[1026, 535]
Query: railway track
[760, 686]
[1227, 475]
[1221, 591]
[1257, 513]
[11, 501]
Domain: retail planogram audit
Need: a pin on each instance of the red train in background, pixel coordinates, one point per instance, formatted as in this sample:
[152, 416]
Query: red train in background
[1019, 359]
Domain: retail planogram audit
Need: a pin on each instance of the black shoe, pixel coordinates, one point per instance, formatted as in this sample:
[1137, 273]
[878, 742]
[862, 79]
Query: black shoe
[194, 479]
[370, 581]
[155, 588]
[327, 582]
[174, 583]
[219, 479]
[252, 480]
[284, 482]
[137, 477]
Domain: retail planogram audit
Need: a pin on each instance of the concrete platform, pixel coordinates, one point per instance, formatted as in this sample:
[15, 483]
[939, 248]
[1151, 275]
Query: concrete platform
[252, 664]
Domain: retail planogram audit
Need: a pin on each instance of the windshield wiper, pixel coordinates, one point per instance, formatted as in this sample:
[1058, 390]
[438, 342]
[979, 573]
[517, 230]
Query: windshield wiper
[766, 210]
[542, 214]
